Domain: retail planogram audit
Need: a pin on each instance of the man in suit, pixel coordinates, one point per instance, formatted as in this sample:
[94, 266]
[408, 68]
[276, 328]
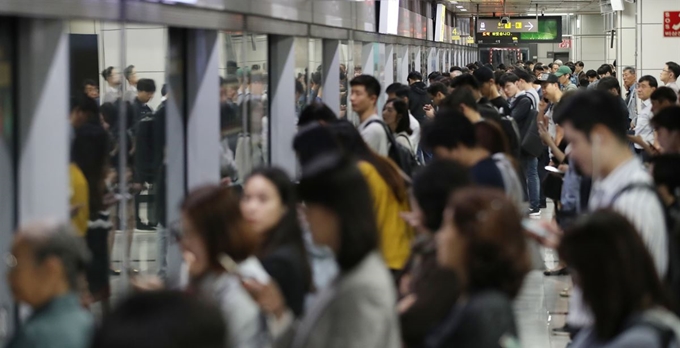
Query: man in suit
[46, 267]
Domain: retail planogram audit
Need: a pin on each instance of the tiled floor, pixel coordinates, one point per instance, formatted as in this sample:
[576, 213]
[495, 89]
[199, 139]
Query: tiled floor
[537, 307]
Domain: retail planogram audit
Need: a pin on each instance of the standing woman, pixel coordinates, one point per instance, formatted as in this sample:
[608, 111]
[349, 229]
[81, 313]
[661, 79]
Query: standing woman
[212, 227]
[269, 206]
[396, 116]
[481, 239]
[357, 309]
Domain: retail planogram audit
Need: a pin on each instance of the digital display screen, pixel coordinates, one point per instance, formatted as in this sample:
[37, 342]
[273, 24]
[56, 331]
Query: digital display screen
[549, 31]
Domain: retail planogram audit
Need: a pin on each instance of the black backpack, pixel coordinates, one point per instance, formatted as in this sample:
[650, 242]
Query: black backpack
[530, 140]
[401, 156]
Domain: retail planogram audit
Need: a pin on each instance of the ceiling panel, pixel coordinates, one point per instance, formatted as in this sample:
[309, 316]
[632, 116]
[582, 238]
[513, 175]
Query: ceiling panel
[522, 7]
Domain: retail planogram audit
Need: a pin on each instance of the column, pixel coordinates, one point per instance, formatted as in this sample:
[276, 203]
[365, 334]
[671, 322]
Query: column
[653, 49]
[626, 38]
[43, 179]
[416, 64]
[402, 63]
[367, 58]
[590, 41]
[203, 102]
[282, 120]
[331, 74]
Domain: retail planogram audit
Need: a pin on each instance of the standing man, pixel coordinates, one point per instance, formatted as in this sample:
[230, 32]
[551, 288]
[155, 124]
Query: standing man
[564, 76]
[487, 86]
[580, 72]
[646, 86]
[112, 90]
[418, 96]
[669, 75]
[525, 85]
[365, 92]
[630, 83]
[130, 74]
[46, 264]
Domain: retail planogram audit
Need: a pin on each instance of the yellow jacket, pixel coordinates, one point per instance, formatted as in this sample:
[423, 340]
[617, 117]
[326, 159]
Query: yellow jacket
[395, 234]
[80, 196]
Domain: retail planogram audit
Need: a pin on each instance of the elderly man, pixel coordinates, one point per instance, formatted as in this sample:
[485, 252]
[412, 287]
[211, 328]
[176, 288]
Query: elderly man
[46, 262]
[630, 82]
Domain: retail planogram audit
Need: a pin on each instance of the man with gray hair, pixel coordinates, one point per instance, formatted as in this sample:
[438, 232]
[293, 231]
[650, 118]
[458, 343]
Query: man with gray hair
[46, 265]
[630, 83]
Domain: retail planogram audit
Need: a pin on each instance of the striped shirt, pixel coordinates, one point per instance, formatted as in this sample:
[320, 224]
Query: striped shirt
[642, 207]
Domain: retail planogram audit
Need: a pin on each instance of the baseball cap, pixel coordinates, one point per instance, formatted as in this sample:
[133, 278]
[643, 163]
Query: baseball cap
[548, 78]
[563, 70]
[483, 74]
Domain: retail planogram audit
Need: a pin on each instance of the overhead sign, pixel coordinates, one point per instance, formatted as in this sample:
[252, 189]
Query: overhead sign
[547, 29]
[470, 40]
[517, 25]
[566, 43]
[454, 34]
[671, 24]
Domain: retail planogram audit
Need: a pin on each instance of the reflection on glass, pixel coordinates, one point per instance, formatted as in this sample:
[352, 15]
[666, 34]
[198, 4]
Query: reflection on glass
[345, 65]
[256, 102]
[315, 82]
[301, 72]
[233, 82]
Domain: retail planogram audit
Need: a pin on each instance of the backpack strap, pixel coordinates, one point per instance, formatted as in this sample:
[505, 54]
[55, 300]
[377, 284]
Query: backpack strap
[632, 187]
[390, 137]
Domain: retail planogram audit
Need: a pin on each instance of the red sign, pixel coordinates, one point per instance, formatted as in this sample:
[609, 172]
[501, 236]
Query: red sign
[566, 43]
[671, 24]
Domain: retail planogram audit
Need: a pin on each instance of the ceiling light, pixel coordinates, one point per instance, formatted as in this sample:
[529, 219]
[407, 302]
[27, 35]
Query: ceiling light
[464, 10]
[459, 6]
[453, 2]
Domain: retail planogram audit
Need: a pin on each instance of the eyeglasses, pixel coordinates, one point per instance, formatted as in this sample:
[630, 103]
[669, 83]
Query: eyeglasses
[10, 261]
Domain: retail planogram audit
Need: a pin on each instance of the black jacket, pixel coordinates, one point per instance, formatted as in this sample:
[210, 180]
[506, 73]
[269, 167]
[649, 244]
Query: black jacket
[417, 98]
[508, 125]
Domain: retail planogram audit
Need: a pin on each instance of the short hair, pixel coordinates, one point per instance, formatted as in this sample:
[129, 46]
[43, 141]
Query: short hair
[106, 73]
[630, 69]
[465, 80]
[604, 69]
[404, 123]
[89, 82]
[674, 68]
[434, 75]
[162, 319]
[496, 255]
[164, 89]
[369, 82]
[580, 63]
[523, 75]
[609, 82]
[454, 68]
[490, 136]
[313, 140]
[508, 78]
[316, 78]
[51, 239]
[460, 96]
[472, 66]
[609, 240]
[316, 112]
[583, 82]
[668, 118]
[324, 181]
[449, 129]
[299, 88]
[146, 85]
[651, 80]
[664, 93]
[437, 87]
[538, 67]
[215, 212]
[128, 71]
[83, 103]
[403, 91]
[551, 65]
[591, 73]
[393, 88]
[667, 171]
[434, 184]
[585, 109]
[414, 75]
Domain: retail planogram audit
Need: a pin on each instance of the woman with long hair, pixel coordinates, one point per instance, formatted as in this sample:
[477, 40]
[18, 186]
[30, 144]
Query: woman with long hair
[623, 292]
[213, 229]
[357, 309]
[481, 239]
[269, 206]
[396, 116]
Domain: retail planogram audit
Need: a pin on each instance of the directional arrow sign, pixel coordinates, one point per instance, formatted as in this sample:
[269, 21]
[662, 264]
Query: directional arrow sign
[515, 25]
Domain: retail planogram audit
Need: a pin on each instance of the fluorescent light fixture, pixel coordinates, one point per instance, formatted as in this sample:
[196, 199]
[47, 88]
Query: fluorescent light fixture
[463, 10]
[453, 2]
[459, 6]
[578, 23]
[551, 14]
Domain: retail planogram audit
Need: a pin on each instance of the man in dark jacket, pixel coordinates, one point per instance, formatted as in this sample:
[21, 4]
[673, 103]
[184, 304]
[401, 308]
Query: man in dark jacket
[418, 96]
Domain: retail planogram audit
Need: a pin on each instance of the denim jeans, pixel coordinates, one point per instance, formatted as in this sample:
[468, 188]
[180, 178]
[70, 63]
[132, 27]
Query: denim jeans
[530, 167]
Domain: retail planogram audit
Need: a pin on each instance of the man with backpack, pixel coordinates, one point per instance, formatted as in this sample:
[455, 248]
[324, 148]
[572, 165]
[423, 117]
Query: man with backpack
[523, 111]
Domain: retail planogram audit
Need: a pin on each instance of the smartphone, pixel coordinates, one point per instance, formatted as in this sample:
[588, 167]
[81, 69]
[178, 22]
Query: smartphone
[554, 170]
[534, 227]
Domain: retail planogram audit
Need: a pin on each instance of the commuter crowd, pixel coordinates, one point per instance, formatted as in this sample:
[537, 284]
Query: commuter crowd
[415, 227]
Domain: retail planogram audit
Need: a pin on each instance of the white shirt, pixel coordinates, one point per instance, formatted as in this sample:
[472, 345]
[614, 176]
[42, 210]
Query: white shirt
[643, 128]
[415, 129]
[375, 135]
[674, 86]
[534, 96]
[642, 207]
